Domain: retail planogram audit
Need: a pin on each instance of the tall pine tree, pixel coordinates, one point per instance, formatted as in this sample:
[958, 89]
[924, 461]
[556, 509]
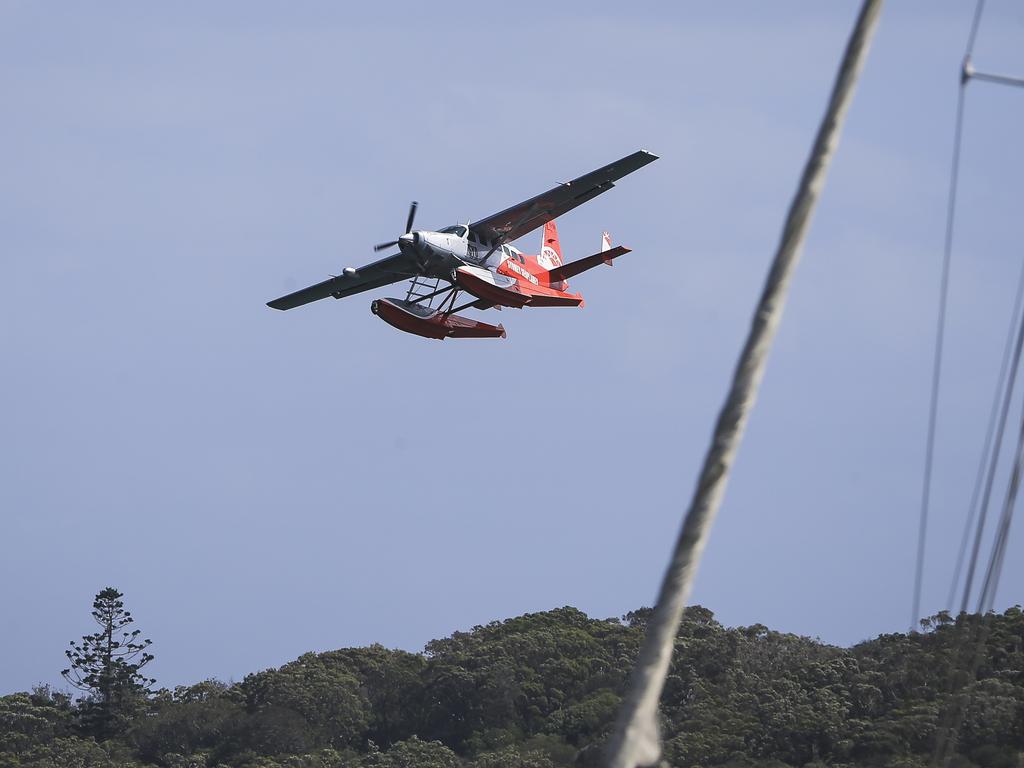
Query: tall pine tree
[106, 665]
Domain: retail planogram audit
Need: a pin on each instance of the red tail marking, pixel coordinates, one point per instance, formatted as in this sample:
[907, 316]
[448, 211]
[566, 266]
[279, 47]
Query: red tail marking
[551, 253]
[550, 249]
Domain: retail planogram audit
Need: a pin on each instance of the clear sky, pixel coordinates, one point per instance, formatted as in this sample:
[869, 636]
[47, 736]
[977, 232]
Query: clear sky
[260, 484]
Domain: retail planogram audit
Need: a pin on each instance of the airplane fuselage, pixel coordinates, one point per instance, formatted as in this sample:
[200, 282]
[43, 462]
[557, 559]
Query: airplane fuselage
[443, 252]
[452, 247]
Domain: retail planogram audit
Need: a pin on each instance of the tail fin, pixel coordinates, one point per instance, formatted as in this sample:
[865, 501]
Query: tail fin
[606, 245]
[550, 250]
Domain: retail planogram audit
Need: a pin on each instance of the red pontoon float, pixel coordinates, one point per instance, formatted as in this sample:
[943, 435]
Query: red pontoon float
[432, 323]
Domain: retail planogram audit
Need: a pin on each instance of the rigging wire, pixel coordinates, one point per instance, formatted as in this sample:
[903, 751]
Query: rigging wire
[987, 597]
[976, 631]
[983, 510]
[940, 332]
[635, 740]
[998, 79]
[987, 444]
[975, 23]
[995, 566]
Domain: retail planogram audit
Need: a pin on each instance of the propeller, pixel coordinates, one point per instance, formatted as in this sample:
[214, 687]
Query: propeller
[408, 228]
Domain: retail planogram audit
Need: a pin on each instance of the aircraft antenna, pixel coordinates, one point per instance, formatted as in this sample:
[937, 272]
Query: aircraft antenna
[635, 741]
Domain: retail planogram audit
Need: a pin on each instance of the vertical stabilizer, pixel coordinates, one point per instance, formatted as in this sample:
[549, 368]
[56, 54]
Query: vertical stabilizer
[551, 254]
[606, 245]
[550, 250]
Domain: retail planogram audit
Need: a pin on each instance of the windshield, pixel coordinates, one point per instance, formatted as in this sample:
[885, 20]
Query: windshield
[458, 231]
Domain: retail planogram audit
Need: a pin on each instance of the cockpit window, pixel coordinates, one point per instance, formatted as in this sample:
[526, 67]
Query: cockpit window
[458, 231]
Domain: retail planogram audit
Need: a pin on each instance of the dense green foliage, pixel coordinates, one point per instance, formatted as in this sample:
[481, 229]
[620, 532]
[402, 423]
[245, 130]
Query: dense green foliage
[542, 690]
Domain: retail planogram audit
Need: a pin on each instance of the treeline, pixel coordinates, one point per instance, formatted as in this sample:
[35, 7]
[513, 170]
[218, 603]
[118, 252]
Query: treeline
[542, 690]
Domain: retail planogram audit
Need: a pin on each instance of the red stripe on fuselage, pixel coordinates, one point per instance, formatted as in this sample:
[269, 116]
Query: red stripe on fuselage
[543, 293]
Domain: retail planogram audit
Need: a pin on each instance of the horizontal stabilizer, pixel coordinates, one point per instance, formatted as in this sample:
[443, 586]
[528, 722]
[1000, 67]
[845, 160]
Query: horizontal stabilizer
[566, 271]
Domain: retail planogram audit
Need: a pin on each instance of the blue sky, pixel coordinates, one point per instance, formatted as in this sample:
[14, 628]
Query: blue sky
[260, 484]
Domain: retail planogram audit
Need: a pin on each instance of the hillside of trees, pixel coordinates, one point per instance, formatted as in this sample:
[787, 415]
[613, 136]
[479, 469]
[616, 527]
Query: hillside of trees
[542, 690]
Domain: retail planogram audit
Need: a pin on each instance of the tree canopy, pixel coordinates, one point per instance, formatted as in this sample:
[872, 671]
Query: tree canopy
[542, 691]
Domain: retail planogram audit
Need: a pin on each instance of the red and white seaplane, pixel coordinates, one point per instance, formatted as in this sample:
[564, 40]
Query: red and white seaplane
[478, 259]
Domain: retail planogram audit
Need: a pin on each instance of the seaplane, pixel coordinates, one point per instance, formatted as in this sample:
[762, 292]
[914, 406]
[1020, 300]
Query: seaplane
[479, 260]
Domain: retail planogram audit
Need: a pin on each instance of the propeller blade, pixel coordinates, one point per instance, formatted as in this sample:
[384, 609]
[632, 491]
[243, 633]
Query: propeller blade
[412, 216]
[382, 246]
